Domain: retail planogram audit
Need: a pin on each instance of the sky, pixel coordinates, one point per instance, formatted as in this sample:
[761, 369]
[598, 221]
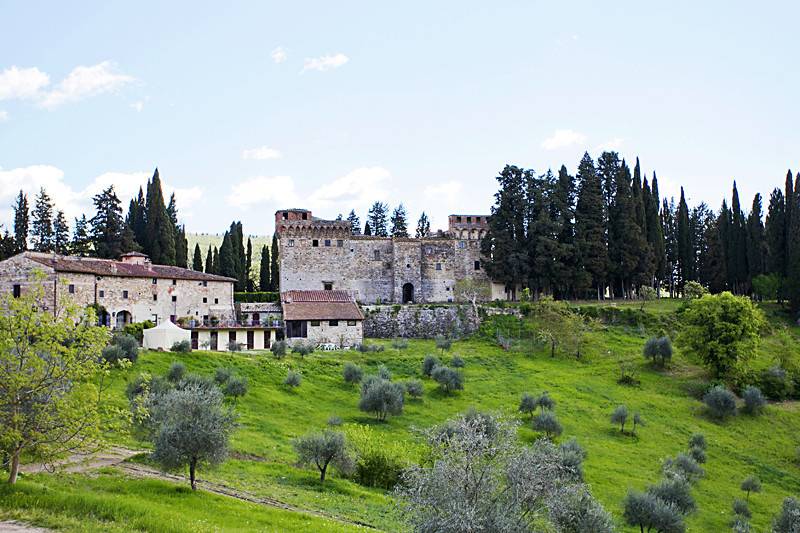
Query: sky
[250, 107]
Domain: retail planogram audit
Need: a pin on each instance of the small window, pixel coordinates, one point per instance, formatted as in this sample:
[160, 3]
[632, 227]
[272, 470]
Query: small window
[477, 265]
[174, 281]
[232, 336]
[327, 242]
[458, 219]
[462, 244]
[205, 300]
[124, 295]
[285, 215]
[205, 284]
[216, 300]
[333, 322]
[351, 322]
[339, 243]
[173, 318]
[71, 288]
[315, 323]
[205, 318]
[469, 219]
[155, 281]
[377, 255]
[155, 297]
[101, 293]
[328, 286]
[290, 242]
[17, 291]
[315, 243]
[305, 216]
[438, 266]
[174, 298]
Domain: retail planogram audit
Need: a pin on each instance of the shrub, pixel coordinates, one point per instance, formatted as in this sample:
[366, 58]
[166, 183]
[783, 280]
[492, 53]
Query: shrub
[293, 379]
[380, 461]
[693, 290]
[698, 440]
[381, 397]
[721, 402]
[457, 362]
[741, 509]
[740, 525]
[384, 373]
[751, 484]
[547, 423]
[676, 492]
[443, 343]
[176, 371]
[183, 346]
[754, 401]
[278, 349]
[627, 373]
[222, 375]
[637, 421]
[155, 385]
[658, 350]
[651, 513]
[352, 373]
[303, 348]
[430, 362]
[128, 344]
[334, 420]
[448, 379]
[698, 454]
[788, 520]
[197, 381]
[400, 343]
[112, 354]
[776, 384]
[414, 388]
[323, 449]
[545, 401]
[234, 346]
[136, 329]
[236, 387]
[683, 466]
[527, 404]
[367, 348]
[620, 416]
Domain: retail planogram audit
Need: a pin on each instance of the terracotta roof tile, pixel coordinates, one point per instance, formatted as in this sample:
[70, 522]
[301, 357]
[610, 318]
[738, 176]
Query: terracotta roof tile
[316, 296]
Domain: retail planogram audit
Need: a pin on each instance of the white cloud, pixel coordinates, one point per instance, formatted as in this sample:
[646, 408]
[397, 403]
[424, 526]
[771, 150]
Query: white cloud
[448, 193]
[611, 145]
[323, 63]
[3, 116]
[22, 83]
[137, 106]
[279, 55]
[262, 189]
[355, 190]
[563, 139]
[261, 153]
[83, 82]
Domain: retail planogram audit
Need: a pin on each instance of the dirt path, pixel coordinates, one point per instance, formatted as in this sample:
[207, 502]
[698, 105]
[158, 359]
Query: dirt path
[80, 463]
[12, 526]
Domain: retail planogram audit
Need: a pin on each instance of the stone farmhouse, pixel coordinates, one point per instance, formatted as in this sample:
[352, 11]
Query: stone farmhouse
[317, 254]
[322, 317]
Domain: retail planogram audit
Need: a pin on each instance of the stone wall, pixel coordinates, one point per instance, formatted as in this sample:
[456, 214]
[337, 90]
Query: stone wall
[419, 321]
[342, 335]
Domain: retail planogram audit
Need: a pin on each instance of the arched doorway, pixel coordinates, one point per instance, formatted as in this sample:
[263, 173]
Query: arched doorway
[408, 293]
[122, 320]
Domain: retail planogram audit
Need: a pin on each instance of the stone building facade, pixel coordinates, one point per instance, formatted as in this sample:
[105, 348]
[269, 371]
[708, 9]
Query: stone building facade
[322, 317]
[129, 290]
[318, 254]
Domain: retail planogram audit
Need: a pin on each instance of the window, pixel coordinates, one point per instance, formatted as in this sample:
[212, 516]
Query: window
[205, 284]
[315, 243]
[155, 297]
[216, 300]
[377, 255]
[305, 216]
[458, 219]
[469, 219]
[231, 336]
[174, 298]
[155, 281]
[462, 244]
[333, 322]
[285, 215]
[267, 335]
[124, 295]
[173, 318]
[438, 266]
[339, 243]
[205, 300]
[17, 291]
[327, 285]
[351, 322]
[205, 318]
[174, 281]
[290, 242]
[101, 293]
[327, 242]
[315, 322]
[71, 288]
[477, 265]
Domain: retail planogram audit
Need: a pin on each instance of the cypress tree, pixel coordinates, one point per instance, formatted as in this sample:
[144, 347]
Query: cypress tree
[81, 243]
[683, 243]
[724, 223]
[423, 226]
[643, 272]
[756, 244]
[655, 234]
[788, 210]
[367, 228]
[712, 263]
[181, 248]
[107, 225]
[274, 275]
[775, 233]
[209, 261]
[137, 218]
[590, 236]
[738, 243]
[608, 167]
[377, 219]
[216, 268]
[793, 245]
[238, 256]
[668, 222]
[42, 223]
[399, 223]
[60, 233]
[264, 283]
[197, 260]
[160, 232]
[629, 243]
[128, 242]
[7, 245]
[21, 223]
[563, 207]
[249, 265]
[227, 257]
[355, 223]
[542, 241]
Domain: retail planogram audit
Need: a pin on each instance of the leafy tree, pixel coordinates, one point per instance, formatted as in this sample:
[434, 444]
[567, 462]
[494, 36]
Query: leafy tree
[697, 440]
[274, 271]
[381, 397]
[192, 427]
[235, 387]
[652, 513]
[355, 223]
[751, 484]
[60, 233]
[547, 423]
[741, 509]
[176, 372]
[620, 416]
[377, 219]
[720, 402]
[323, 449]
[658, 350]
[51, 400]
[545, 402]
[42, 223]
[683, 466]
[415, 388]
[788, 520]
[21, 222]
[107, 225]
[590, 232]
[473, 291]
[448, 379]
[676, 492]
[264, 281]
[197, 259]
[528, 404]
[754, 401]
[429, 363]
[278, 349]
[443, 343]
[721, 330]
[767, 286]
[423, 226]
[399, 222]
[637, 421]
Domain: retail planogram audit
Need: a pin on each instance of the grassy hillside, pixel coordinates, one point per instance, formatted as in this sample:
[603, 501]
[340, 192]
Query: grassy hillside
[586, 392]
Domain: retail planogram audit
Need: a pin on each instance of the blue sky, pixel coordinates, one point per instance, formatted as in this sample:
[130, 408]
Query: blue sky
[253, 106]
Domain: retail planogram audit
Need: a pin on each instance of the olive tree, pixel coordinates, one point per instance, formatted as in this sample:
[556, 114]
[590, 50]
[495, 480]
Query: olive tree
[547, 423]
[448, 379]
[52, 379]
[352, 373]
[429, 363]
[751, 484]
[381, 397]
[721, 402]
[754, 401]
[651, 513]
[620, 416]
[324, 449]
[545, 402]
[191, 427]
[527, 404]
[235, 387]
[658, 350]
[788, 520]
[415, 388]
[443, 343]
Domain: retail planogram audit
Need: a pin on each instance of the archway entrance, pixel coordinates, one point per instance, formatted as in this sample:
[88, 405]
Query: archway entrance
[408, 293]
[122, 320]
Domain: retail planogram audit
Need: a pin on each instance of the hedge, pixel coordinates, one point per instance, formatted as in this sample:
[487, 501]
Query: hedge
[254, 297]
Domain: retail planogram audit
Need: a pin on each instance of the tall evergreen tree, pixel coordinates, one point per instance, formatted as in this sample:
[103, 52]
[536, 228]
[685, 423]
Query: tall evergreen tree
[8, 246]
[81, 244]
[107, 225]
[159, 229]
[137, 218]
[21, 223]
[542, 234]
[197, 260]
[264, 283]
[725, 237]
[209, 261]
[181, 248]
[793, 245]
[249, 265]
[788, 210]
[423, 226]
[355, 223]
[239, 256]
[629, 245]
[756, 243]
[655, 233]
[377, 219]
[775, 233]
[227, 257]
[60, 233]
[215, 265]
[712, 267]
[129, 243]
[738, 245]
[274, 274]
[668, 222]
[683, 243]
[399, 223]
[562, 208]
[42, 223]
[367, 228]
[590, 235]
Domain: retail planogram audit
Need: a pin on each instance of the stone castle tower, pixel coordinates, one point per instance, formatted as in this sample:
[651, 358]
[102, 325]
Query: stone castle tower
[323, 254]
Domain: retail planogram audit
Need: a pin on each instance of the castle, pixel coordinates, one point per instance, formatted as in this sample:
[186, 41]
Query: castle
[317, 254]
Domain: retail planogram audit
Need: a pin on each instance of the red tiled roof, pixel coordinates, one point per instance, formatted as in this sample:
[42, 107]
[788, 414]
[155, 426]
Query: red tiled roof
[316, 296]
[108, 267]
[319, 305]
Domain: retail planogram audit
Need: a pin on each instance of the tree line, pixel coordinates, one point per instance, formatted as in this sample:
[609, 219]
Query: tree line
[380, 224]
[606, 232]
[234, 259]
[150, 226]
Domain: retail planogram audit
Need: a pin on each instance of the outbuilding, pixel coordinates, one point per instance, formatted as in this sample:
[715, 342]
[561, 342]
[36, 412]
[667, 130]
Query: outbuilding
[322, 317]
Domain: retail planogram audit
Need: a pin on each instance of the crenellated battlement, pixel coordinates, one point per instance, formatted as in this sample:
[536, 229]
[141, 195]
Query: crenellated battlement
[313, 228]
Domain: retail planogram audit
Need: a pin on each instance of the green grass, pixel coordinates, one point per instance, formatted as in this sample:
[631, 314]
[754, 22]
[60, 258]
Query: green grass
[586, 393]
